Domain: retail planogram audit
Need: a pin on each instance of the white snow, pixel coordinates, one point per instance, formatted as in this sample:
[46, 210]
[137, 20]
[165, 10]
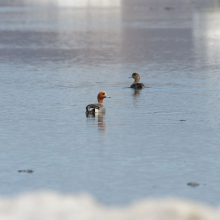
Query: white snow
[55, 206]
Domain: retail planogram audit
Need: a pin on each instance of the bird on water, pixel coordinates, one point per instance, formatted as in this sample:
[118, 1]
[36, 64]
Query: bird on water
[136, 84]
[99, 107]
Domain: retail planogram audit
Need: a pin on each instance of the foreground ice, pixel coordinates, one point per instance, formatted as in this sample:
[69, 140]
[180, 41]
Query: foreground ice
[54, 206]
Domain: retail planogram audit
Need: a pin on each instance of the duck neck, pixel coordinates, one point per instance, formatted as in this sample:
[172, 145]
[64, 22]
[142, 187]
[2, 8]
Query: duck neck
[136, 80]
[100, 100]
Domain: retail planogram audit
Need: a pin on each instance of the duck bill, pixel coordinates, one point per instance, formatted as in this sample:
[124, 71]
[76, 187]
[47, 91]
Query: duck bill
[107, 97]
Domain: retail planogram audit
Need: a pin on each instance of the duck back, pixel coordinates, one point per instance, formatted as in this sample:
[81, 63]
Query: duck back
[93, 108]
[137, 86]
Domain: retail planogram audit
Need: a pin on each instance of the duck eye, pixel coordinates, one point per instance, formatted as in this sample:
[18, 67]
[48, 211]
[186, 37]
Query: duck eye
[103, 93]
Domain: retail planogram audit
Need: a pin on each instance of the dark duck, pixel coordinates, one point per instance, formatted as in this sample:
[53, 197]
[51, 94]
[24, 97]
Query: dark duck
[136, 84]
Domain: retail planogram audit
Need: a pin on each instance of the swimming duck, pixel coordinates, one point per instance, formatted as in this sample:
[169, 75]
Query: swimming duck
[99, 107]
[136, 84]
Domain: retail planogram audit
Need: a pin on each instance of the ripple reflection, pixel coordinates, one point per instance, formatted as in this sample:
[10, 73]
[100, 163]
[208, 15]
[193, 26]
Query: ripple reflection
[100, 116]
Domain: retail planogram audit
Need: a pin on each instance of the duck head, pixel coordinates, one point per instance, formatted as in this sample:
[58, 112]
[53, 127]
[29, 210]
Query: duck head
[136, 77]
[101, 96]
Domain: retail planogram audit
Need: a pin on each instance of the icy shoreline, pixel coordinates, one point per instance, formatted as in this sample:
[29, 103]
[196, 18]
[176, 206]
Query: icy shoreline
[55, 206]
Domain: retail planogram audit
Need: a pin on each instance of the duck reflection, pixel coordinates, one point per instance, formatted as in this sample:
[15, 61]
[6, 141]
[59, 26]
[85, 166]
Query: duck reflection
[136, 92]
[136, 96]
[100, 117]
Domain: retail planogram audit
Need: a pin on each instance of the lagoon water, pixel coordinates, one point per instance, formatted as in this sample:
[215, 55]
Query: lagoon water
[55, 56]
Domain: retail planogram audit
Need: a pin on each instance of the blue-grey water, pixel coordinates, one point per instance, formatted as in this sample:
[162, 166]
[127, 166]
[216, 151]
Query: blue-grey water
[56, 56]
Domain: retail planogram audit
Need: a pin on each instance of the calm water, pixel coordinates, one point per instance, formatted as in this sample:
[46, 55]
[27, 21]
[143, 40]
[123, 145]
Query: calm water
[54, 59]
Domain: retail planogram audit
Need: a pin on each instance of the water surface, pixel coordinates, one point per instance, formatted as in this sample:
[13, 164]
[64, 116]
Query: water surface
[54, 61]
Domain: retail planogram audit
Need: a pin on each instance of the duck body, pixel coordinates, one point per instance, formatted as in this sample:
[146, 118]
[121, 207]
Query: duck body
[93, 108]
[136, 84]
[98, 107]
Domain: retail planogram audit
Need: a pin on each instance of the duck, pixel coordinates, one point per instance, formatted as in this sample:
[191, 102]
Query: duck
[99, 107]
[136, 84]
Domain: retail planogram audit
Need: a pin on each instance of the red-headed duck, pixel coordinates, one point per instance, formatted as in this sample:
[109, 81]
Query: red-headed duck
[99, 107]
